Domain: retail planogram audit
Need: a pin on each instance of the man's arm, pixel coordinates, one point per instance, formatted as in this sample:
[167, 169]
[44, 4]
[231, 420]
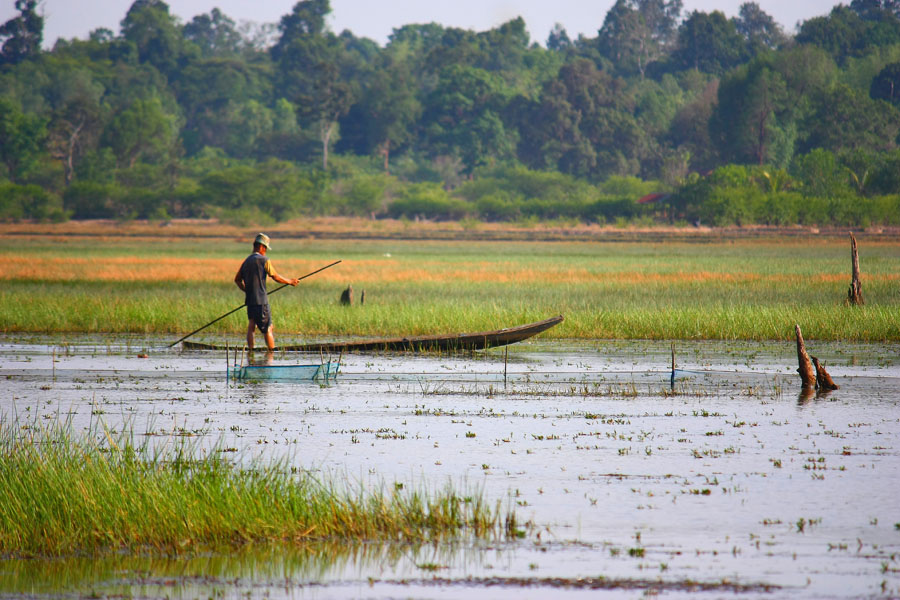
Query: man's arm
[240, 281]
[270, 271]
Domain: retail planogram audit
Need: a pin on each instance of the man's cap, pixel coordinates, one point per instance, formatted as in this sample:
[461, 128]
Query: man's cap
[263, 239]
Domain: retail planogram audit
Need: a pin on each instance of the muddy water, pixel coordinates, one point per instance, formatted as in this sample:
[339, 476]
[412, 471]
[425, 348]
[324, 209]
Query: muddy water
[730, 483]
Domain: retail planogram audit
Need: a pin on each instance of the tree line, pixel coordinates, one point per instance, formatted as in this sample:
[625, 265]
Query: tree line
[725, 120]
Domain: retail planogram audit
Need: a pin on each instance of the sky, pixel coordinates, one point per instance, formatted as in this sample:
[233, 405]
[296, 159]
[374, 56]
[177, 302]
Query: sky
[376, 19]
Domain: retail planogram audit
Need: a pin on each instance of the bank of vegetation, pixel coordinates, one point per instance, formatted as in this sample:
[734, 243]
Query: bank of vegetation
[64, 493]
[708, 289]
[714, 120]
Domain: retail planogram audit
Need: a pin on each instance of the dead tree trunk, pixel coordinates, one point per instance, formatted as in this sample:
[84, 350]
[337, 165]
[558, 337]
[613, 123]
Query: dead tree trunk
[807, 377]
[823, 379]
[854, 294]
[347, 296]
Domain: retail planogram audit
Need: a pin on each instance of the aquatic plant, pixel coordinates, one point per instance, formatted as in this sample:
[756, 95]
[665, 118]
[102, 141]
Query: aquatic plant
[63, 493]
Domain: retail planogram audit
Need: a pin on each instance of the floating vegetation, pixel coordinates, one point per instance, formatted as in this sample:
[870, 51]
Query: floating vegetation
[64, 494]
[587, 390]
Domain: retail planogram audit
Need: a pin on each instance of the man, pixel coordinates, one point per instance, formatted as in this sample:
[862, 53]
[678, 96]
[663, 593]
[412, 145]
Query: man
[251, 278]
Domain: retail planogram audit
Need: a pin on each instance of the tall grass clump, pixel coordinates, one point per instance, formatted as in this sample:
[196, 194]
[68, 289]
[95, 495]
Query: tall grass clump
[63, 494]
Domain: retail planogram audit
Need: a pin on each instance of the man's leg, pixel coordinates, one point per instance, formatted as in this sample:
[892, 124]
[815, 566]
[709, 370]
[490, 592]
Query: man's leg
[251, 327]
[270, 338]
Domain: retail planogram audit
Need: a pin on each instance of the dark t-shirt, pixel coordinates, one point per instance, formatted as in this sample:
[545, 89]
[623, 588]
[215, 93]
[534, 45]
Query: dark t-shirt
[253, 272]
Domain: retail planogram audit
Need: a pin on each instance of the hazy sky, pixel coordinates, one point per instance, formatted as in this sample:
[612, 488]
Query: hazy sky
[375, 19]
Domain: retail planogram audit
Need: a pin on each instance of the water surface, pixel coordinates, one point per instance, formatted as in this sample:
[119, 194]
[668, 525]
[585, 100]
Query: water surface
[731, 483]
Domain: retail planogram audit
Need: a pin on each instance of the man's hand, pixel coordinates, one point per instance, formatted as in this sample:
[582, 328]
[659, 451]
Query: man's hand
[294, 282]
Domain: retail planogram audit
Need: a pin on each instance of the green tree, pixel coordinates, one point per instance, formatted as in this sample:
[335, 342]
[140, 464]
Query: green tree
[77, 117]
[708, 42]
[326, 101]
[582, 124]
[155, 33]
[821, 175]
[558, 39]
[661, 17]
[753, 121]
[208, 91]
[886, 177]
[385, 117]
[21, 36]
[759, 29]
[636, 32]
[504, 48]
[859, 164]
[144, 130]
[844, 119]
[21, 140]
[808, 71]
[886, 85]
[876, 10]
[310, 62]
[689, 129]
[625, 39]
[215, 34]
[462, 117]
[307, 19]
[247, 122]
[851, 31]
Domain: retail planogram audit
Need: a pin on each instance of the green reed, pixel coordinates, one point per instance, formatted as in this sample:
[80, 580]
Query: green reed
[674, 290]
[63, 494]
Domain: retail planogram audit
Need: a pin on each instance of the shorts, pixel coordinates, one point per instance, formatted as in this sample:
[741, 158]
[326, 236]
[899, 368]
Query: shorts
[260, 315]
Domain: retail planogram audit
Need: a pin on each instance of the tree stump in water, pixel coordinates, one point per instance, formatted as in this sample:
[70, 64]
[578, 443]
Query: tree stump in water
[854, 294]
[807, 377]
[823, 379]
[347, 296]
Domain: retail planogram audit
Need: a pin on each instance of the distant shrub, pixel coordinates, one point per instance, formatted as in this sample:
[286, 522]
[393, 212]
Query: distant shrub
[93, 200]
[499, 206]
[361, 195]
[278, 189]
[428, 200]
[29, 202]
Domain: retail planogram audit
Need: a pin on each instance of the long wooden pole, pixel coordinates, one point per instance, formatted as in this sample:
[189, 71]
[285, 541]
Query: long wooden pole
[243, 305]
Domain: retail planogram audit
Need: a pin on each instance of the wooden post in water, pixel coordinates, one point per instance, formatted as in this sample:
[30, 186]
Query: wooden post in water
[672, 378]
[505, 359]
[823, 379]
[807, 377]
[854, 294]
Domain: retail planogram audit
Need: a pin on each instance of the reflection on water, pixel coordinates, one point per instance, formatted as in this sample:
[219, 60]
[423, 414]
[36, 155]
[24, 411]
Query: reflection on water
[735, 475]
[246, 568]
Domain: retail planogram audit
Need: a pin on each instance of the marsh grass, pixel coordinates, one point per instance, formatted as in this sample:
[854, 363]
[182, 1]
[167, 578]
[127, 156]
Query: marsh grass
[674, 290]
[63, 494]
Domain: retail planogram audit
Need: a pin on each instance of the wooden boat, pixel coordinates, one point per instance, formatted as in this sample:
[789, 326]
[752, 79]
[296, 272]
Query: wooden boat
[453, 342]
[326, 371]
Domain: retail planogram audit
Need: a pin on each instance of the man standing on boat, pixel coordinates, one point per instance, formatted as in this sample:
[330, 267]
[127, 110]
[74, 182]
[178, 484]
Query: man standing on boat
[251, 278]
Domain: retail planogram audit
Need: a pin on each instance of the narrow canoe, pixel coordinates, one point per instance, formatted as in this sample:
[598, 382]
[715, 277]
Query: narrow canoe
[452, 342]
[323, 372]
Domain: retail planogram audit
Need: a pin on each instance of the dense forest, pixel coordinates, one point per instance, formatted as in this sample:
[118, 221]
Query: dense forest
[715, 120]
